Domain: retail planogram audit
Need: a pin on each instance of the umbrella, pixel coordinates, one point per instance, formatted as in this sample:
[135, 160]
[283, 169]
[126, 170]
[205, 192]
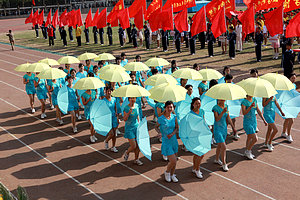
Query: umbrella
[289, 101]
[182, 109]
[154, 62]
[258, 87]
[226, 91]
[87, 56]
[207, 103]
[136, 66]
[37, 67]
[159, 79]
[63, 99]
[49, 61]
[143, 138]
[150, 101]
[234, 108]
[209, 74]
[52, 73]
[68, 60]
[195, 134]
[280, 82]
[187, 73]
[130, 91]
[168, 92]
[111, 66]
[88, 83]
[105, 56]
[101, 117]
[114, 75]
[195, 85]
[169, 71]
[22, 67]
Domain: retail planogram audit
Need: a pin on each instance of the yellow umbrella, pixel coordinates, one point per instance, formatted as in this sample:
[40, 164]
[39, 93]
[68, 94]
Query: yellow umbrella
[136, 66]
[155, 62]
[49, 61]
[88, 83]
[68, 60]
[226, 91]
[160, 78]
[130, 91]
[37, 67]
[52, 73]
[111, 66]
[87, 56]
[209, 74]
[187, 73]
[113, 75]
[280, 82]
[258, 87]
[105, 56]
[168, 92]
[22, 67]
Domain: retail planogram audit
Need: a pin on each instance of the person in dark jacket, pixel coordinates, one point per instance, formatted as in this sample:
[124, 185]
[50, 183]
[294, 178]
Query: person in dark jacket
[101, 32]
[109, 34]
[134, 36]
[192, 43]
[64, 36]
[36, 28]
[95, 33]
[288, 59]
[128, 30]
[202, 39]
[232, 41]
[259, 38]
[177, 40]
[121, 35]
[44, 30]
[164, 39]
[86, 33]
[147, 37]
[70, 29]
[210, 43]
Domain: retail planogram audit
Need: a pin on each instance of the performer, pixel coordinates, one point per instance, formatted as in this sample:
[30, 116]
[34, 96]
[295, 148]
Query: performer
[258, 42]
[41, 91]
[288, 59]
[232, 41]
[109, 34]
[177, 40]
[239, 36]
[210, 43]
[121, 34]
[86, 33]
[70, 29]
[101, 32]
[147, 37]
[28, 80]
[95, 33]
[134, 36]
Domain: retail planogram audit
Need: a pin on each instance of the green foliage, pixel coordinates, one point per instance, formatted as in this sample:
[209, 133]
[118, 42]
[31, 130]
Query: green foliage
[5, 193]
[22, 194]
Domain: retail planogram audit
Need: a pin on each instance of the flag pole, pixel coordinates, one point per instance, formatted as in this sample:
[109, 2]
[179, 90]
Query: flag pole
[205, 17]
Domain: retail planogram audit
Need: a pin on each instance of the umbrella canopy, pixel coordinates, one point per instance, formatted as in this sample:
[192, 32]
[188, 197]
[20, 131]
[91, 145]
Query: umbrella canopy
[226, 91]
[195, 134]
[63, 99]
[234, 108]
[68, 60]
[168, 92]
[258, 87]
[209, 74]
[22, 67]
[130, 91]
[104, 56]
[37, 67]
[160, 79]
[52, 73]
[113, 75]
[136, 66]
[111, 66]
[143, 138]
[207, 103]
[88, 83]
[87, 56]
[289, 101]
[154, 62]
[49, 61]
[187, 73]
[101, 117]
[149, 101]
[195, 85]
[279, 81]
[182, 109]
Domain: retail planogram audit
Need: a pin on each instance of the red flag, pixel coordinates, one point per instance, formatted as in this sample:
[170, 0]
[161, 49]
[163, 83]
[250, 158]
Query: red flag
[154, 6]
[123, 17]
[101, 19]
[63, 19]
[113, 15]
[293, 29]
[95, 19]
[35, 17]
[70, 18]
[89, 19]
[181, 21]
[40, 18]
[135, 7]
[179, 5]
[218, 23]
[248, 20]
[199, 22]
[216, 5]
[154, 20]
[274, 21]
[138, 19]
[290, 5]
[55, 19]
[48, 21]
[29, 18]
[166, 17]
[33, 3]
[78, 18]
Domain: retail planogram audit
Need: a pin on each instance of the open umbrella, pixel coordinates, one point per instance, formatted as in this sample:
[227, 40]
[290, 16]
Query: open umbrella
[143, 138]
[168, 92]
[154, 62]
[112, 67]
[68, 60]
[207, 103]
[37, 67]
[52, 73]
[22, 67]
[136, 66]
[187, 73]
[101, 117]
[87, 56]
[226, 91]
[114, 75]
[88, 83]
[289, 101]
[195, 134]
[182, 109]
[195, 85]
[149, 101]
[159, 79]
[279, 81]
[49, 61]
[130, 91]
[234, 108]
[105, 56]
[63, 99]
[209, 74]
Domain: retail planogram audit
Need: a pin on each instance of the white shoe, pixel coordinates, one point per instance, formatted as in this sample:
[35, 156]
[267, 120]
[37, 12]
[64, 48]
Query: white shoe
[257, 129]
[114, 149]
[61, 122]
[57, 120]
[265, 145]
[252, 154]
[225, 168]
[118, 132]
[219, 162]
[289, 138]
[168, 177]
[270, 147]
[42, 116]
[75, 130]
[106, 145]
[198, 173]
[138, 162]
[52, 107]
[79, 117]
[248, 155]
[92, 139]
[45, 115]
[126, 156]
[33, 110]
[95, 138]
[236, 137]
[165, 158]
[174, 179]
[284, 135]
[160, 140]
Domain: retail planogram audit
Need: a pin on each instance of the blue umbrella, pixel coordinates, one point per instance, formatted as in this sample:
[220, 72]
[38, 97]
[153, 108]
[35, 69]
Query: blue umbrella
[289, 101]
[101, 117]
[125, 103]
[195, 134]
[143, 138]
[207, 103]
[234, 108]
[63, 99]
[168, 71]
[183, 108]
[150, 101]
[195, 85]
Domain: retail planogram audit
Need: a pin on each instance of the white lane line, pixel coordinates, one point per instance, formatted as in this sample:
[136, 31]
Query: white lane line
[282, 126]
[28, 54]
[47, 160]
[118, 162]
[19, 58]
[9, 191]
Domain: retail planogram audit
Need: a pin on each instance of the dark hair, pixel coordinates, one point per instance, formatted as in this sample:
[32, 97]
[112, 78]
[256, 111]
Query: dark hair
[61, 68]
[109, 88]
[154, 71]
[80, 65]
[173, 69]
[195, 66]
[228, 77]
[168, 103]
[72, 71]
[95, 66]
[289, 43]
[132, 74]
[100, 63]
[193, 101]
[118, 58]
[252, 71]
[173, 62]
[123, 54]
[137, 56]
[225, 68]
[188, 86]
[68, 77]
[291, 74]
[212, 83]
[90, 74]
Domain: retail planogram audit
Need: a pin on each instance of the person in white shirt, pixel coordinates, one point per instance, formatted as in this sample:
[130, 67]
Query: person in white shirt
[275, 44]
[265, 32]
[239, 36]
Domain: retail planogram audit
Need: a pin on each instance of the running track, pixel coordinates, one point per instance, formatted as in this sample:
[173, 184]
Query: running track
[53, 163]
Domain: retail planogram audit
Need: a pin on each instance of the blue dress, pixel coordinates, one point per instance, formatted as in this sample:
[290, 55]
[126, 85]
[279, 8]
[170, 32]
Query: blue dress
[68, 72]
[56, 87]
[87, 107]
[249, 121]
[41, 89]
[139, 102]
[123, 62]
[89, 69]
[30, 89]
[80, 75]
[159, 105]
[167, 126]
[220, 127]
[204, 87]
[73, 103]
[132, 122]
[201, 113]
[269, 111]
[112, 106]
